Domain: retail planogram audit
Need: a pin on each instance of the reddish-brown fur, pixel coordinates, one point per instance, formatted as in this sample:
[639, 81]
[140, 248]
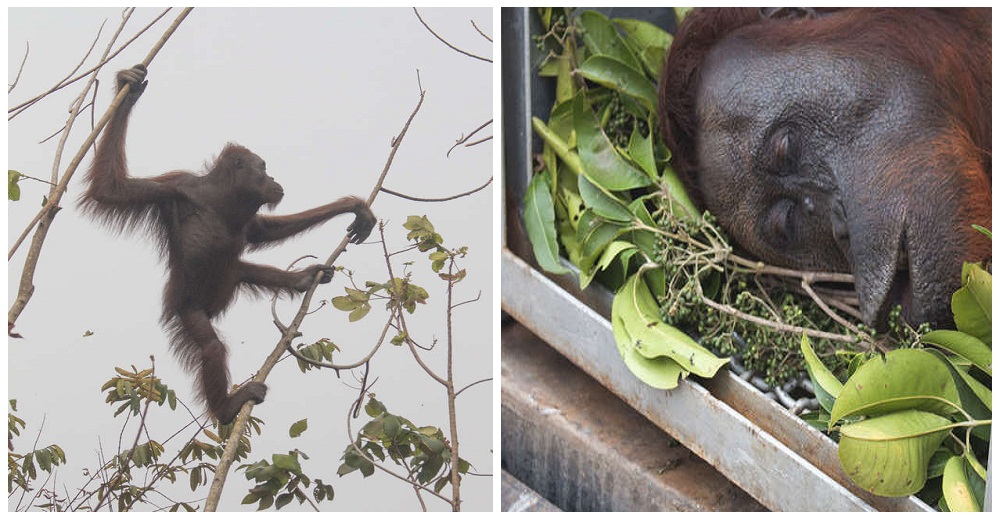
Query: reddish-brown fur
[938, 181]
[204, 223]
[932, 41]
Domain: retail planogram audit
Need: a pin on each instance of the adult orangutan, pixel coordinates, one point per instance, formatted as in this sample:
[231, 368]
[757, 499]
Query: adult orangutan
[836, 140]
[204, 223]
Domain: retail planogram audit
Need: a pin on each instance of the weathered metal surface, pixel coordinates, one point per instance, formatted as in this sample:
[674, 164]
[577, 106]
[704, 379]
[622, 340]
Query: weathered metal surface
[745, 453]
[578, 445]
[760, 409]
[516, 497]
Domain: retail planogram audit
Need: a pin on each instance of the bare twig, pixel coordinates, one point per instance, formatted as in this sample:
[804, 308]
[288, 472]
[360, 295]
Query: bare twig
[441, 199]
[20, 69]
[450, 46]
[15, 110]
[464, 140]
[480, 31]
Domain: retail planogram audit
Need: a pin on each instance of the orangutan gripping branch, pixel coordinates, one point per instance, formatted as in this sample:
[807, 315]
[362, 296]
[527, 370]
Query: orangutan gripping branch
[204, 223]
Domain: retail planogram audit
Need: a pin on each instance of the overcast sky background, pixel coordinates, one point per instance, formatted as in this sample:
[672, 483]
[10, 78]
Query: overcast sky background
[319, 94]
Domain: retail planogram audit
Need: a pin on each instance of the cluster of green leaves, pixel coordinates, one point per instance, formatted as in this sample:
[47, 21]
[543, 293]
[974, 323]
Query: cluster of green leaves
[400, 291]
[919, 413]
[134, 387]
[606, 196]
[282, 480]
[602, 166]
[424, 452]
[22, 469]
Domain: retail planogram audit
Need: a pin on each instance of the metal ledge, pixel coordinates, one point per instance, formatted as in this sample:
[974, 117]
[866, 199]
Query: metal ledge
[744, 452]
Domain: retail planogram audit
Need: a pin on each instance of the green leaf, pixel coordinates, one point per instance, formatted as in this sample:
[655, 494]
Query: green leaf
[888, 455]
[905, 379]
[957, 486]
[826, 386]
[13, 190]
[603, 203]
[661, 373]
[374, 407]
[594, 234]
[359, 312]
[620, 77]
[640, 149]
[651, 338]
[391, 426]
[651, 42]
[283, 500]
[681, 205]
[601, 37]
[602, 164]
[964, 345]
[972, 305]
[298, 427]
[540, 222]
[286, 462]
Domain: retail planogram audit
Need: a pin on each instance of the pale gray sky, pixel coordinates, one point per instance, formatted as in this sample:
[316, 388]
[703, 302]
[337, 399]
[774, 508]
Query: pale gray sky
[319, 94]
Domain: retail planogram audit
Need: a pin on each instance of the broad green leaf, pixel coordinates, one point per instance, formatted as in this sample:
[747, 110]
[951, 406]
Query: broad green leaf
[964, 345]
[905, 379]
[827, 387]
[565, 86]
[888, 455]
[618, 76]
[601, 163]
[13, 190]
[298, 427]
[359, 312]
[539, 221]
[681, 205]
[594, 234]
[662, 373]
[614, 250]
[640, 149]
[391, 426]
[647, 241]
[286, 462]
[972, 305]
[601, 37]
[957, 487]
[975, 399]
[651, 42]
[652, 338]
[604, 204]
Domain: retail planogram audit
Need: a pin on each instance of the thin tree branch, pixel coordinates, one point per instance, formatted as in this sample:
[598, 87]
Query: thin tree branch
[26, 288]
[450, 46]
[442, 199]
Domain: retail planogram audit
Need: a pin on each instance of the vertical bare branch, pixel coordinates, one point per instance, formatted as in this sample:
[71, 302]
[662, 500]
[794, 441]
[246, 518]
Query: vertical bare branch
[51, 208]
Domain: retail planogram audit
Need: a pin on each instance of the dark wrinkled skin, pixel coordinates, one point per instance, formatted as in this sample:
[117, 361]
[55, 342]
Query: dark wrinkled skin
[817, 155]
